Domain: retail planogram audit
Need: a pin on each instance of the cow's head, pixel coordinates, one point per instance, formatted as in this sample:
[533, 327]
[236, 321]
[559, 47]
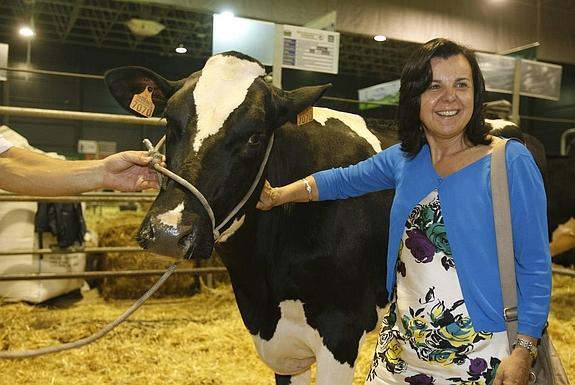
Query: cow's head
[219, 122]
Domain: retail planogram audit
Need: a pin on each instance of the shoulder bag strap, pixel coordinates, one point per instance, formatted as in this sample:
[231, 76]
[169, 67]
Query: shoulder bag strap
[504, 236]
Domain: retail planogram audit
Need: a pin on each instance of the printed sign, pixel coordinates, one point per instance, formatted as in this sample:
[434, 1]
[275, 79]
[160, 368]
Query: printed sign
[3, 60]
[87, 146]
[384, 93]
[310, 49]
[538, 79]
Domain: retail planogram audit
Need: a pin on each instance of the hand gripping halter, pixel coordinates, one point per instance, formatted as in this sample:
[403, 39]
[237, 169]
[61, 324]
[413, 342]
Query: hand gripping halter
[156, 161]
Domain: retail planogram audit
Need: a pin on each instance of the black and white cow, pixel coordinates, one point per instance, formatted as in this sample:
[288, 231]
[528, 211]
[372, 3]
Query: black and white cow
[309, 279]
[560, 185]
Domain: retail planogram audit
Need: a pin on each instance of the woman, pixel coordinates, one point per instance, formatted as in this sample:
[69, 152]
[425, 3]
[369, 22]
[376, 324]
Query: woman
[445, 323]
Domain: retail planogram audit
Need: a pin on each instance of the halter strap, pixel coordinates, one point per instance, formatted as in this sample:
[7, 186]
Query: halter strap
[157, 159]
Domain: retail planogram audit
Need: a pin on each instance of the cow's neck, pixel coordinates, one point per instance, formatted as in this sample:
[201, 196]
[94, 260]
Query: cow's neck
[249, 253]
[254, 255]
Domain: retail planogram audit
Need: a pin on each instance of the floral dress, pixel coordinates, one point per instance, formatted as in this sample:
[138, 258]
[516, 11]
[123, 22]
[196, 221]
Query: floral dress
[427, 336]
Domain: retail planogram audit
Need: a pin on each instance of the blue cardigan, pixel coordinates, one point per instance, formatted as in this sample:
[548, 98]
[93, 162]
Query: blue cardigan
[467, 212]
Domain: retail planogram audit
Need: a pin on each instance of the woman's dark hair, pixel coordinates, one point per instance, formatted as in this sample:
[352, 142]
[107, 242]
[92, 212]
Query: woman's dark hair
[417, 76]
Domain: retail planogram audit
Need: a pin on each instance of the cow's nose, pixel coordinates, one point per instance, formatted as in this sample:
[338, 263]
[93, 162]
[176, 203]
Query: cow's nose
[145, 235]
[188, 241]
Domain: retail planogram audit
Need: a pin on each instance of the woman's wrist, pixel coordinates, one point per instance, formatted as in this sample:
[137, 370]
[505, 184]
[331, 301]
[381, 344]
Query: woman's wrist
[526, 345]
[276, 195]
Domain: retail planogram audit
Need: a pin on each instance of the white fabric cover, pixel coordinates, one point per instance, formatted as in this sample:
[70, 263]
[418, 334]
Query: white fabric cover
[17, 233]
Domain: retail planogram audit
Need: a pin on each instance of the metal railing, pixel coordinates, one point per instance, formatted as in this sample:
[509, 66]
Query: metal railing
[78, 115]
[86, 197]
[106, 274]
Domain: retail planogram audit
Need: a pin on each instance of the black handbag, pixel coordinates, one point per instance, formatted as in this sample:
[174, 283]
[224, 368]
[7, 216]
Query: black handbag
[548, 368]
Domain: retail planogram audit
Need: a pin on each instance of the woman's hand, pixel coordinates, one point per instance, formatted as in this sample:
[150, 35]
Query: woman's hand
[514, 370]
[268, 197]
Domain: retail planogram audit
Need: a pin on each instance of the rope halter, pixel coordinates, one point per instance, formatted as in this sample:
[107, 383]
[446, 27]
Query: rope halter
[156, 161]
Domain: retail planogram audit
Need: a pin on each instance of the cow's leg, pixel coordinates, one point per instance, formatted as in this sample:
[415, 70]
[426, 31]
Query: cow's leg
[332, 372]
[297, 379]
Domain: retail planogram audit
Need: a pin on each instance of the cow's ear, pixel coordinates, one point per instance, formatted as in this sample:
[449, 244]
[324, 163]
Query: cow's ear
[126, 82]
[291, 103]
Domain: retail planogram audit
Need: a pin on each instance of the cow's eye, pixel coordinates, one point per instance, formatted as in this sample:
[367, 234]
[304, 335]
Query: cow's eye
[254, 139]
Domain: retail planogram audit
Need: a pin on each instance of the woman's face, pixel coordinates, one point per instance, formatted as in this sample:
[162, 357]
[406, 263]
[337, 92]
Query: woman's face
[447, 105]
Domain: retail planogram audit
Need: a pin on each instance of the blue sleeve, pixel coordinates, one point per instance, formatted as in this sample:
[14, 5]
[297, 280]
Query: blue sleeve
[373, 174]
[530, 240]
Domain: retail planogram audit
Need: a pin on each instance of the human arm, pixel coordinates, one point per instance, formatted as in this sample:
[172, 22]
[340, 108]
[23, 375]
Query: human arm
[293, 192]
[27, 172]
[515, 369]
[532, 260]
[373, 174]
[528, 204]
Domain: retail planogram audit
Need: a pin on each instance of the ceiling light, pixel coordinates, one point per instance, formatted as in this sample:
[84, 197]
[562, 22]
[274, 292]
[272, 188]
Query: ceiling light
[379, 38]
[181, 49]
[144, 28]
[26, 32]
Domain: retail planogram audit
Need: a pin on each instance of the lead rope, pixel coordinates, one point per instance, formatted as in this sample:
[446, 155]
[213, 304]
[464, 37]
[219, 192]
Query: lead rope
[105, 330]
[153, 151]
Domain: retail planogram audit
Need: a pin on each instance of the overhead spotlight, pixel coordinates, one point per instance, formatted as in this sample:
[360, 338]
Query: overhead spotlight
[181, 49]
[379, 38]
[26, 32]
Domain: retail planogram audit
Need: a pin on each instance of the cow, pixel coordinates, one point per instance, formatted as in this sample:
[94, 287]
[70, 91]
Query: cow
[506, 129]
[309, 279]
[560, 184]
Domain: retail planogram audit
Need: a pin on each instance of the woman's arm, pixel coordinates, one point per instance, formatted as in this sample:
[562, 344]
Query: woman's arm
[303, 190]
[532, 260]
[530, 240]
[373, 174]
[515, 368]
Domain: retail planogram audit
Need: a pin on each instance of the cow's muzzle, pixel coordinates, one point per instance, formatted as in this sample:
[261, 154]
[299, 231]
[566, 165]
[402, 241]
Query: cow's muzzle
[155, 164]
[178, 242]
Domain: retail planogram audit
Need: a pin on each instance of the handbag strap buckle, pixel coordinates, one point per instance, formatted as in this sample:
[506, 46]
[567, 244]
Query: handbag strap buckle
[510, 314]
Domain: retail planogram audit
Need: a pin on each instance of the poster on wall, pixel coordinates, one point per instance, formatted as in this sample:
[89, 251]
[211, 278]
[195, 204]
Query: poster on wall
[3, 61]
[498, 72]
[310, 49]
[538, 79]
[384, 93]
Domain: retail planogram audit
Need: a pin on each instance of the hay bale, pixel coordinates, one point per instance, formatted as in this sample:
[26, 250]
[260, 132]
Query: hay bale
[115, 227]
[124, 234]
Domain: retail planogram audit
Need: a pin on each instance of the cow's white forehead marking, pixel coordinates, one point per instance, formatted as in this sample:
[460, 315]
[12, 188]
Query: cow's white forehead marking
[353, 121]
[236, 224]
[222, 87]
[173, 217]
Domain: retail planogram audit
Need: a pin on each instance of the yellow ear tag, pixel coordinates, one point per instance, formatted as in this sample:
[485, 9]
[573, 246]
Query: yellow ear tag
[305, 116]
[142, 103]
